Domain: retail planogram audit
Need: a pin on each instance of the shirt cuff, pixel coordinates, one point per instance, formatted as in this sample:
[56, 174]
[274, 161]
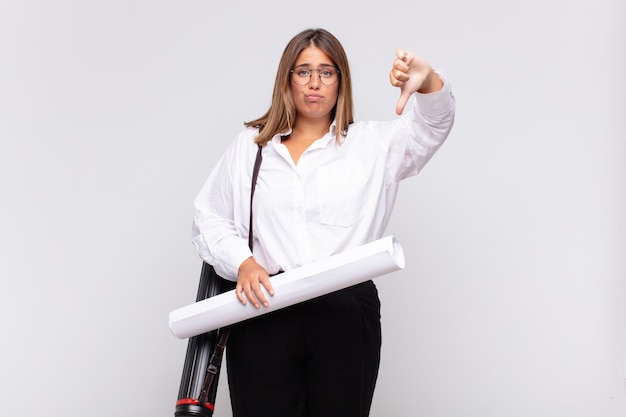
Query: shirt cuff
[230, 254]
[437, 103]
[234, 251]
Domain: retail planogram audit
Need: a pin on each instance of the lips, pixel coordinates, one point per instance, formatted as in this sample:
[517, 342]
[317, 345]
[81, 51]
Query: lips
[314, 97]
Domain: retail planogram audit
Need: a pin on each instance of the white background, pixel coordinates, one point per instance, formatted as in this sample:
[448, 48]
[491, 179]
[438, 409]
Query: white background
[112, 113]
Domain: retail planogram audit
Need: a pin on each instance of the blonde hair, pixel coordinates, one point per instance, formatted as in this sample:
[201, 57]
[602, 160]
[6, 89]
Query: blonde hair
[281, 115]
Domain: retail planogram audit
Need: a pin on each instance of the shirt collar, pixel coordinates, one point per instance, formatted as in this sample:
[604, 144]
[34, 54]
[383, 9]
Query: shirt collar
[320, 143]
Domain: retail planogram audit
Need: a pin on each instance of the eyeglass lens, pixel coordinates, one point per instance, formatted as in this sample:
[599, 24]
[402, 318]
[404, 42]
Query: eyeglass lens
[302, 75]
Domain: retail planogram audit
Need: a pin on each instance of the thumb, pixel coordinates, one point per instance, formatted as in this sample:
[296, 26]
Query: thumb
[405, 95]
[403, 55]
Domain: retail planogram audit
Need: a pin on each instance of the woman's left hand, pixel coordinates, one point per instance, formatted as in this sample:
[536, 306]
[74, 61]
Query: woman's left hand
[411, 74]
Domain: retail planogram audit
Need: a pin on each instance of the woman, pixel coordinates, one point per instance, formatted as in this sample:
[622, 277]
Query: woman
[326, 184]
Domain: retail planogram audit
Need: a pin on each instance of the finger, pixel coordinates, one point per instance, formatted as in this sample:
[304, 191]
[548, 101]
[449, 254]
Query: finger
[400, 64]
[393, 80]
[245, 293]
[397, 78]
[267, 283]
[404, 98]
[402, 76]
[260, 295]
[402, 54]
[400, 67]
[250, 295]
[239, 292]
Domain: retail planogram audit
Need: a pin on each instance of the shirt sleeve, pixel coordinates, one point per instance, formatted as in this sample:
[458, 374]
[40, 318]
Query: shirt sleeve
[215, 232]
[421, 131]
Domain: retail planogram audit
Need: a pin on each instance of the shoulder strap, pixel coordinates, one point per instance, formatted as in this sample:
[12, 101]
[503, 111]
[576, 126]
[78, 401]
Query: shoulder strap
[209, 387]
[255, 175]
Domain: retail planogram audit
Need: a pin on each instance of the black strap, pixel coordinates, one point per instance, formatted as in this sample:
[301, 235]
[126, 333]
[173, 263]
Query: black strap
[255, 175]
[207, 394]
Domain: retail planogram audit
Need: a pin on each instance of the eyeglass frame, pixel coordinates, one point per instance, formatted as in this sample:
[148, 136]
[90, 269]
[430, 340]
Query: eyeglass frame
[291, 71]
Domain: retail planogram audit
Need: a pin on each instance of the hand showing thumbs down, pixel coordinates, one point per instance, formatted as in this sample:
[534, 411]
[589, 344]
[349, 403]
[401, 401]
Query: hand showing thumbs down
[411, 74]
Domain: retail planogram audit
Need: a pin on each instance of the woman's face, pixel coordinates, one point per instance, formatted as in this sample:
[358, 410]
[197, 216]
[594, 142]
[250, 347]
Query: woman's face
[314, 100]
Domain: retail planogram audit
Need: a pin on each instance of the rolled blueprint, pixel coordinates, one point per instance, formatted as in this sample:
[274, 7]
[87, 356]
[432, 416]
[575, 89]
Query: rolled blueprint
[336, 272]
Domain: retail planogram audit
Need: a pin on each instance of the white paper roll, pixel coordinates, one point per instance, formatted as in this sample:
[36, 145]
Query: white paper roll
[322, 277]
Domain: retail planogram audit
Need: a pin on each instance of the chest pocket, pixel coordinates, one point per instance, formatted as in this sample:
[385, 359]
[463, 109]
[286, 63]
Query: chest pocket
[341, 188]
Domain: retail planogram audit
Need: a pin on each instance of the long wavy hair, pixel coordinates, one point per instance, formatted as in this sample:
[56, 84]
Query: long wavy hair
[281, 115]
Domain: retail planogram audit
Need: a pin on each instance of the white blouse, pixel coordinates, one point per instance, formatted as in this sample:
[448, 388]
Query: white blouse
[337, 197]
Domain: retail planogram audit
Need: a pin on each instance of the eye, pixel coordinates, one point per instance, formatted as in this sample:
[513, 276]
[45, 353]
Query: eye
[326, 73]
[304, 72]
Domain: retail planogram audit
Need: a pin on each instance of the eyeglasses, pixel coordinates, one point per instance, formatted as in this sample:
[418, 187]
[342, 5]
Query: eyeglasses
[302, 76]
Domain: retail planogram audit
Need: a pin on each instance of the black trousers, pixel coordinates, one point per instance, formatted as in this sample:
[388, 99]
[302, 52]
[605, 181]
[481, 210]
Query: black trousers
[317, 358]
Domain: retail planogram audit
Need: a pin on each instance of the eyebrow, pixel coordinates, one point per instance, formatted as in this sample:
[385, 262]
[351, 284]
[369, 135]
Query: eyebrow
[308, 65]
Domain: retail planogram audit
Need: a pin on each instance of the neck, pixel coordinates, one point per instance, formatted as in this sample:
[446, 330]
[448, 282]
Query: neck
[308, 128]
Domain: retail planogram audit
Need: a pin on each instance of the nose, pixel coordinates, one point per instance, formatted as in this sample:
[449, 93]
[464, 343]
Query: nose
[315, 80]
